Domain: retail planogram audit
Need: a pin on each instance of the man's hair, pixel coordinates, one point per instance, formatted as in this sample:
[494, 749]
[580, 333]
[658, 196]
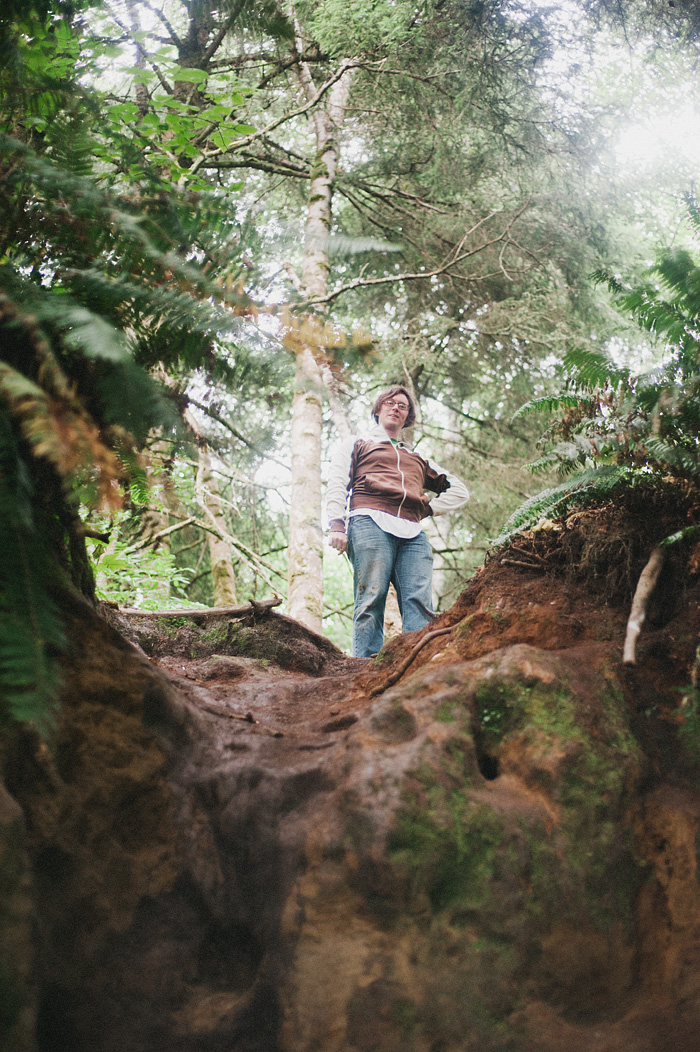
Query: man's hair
[391, 392]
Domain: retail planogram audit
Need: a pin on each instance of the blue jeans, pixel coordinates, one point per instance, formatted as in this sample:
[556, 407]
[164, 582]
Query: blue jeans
[379, 559]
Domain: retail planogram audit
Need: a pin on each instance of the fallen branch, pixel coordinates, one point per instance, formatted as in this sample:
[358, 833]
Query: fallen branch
[204, 614]
[645, 586]
[398, 673]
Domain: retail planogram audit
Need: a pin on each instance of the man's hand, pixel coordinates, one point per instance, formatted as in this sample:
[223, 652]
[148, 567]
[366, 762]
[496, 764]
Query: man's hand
[338, 540]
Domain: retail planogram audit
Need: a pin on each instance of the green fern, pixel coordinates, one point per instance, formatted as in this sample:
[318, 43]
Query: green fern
[592, 484]
[623, 429]
[549, 404]
[31, 632]
[594, 369]
[684, 462]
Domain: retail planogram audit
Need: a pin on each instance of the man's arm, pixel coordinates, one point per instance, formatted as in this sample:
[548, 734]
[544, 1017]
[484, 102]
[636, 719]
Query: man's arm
[455, 497]
[337, 494]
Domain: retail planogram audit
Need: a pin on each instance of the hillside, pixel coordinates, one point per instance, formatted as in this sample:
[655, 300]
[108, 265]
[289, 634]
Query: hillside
[243, 840]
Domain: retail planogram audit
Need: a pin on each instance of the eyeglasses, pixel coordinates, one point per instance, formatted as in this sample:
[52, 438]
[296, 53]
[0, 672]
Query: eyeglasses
[391, 404]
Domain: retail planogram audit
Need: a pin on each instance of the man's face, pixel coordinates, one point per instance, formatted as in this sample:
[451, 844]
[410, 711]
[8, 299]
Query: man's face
[393, 413]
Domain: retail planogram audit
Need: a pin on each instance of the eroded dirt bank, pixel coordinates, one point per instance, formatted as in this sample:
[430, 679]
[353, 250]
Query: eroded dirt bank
[232, 846]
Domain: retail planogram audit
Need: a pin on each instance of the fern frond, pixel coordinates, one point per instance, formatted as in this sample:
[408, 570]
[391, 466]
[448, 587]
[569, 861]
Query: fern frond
[544, 463]
[593, 484]
[594, 369]
[549, 404]
[682, 460]
[67, 438]
[687, 534]
[604, 277]
[31, 632]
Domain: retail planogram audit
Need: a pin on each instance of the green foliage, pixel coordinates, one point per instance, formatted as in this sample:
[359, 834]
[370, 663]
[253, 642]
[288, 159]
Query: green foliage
[352, 27]
[618, 430]
[135, 578]
[98, 288]
[31, 632]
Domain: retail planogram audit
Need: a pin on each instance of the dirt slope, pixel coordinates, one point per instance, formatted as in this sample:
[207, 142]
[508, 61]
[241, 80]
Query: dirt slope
[234, 844]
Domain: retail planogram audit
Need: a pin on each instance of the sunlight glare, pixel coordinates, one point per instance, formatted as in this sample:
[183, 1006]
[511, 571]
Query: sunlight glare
[662, 136]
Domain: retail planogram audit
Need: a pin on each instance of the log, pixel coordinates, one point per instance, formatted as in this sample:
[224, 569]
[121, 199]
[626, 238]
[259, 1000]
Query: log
[203, 614]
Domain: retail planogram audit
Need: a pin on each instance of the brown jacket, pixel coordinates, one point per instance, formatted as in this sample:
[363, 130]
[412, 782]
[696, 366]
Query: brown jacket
[384, 476]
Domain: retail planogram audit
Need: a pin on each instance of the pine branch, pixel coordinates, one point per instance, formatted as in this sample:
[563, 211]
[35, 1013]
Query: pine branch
[392, 279]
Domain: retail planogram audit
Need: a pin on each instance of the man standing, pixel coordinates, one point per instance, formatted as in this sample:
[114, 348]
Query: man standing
[386, 483]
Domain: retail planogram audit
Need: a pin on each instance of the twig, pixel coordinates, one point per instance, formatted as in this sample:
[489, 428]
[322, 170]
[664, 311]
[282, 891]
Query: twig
[529, 555]
[519, 562]
[398, 673]
[155, 537]
[248, 718]
[298, 112]
[419, 275]
[645, 586]
[234, 431]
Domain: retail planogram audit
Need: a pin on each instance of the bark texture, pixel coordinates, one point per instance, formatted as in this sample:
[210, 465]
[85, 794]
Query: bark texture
[222, 571]
[305, 583]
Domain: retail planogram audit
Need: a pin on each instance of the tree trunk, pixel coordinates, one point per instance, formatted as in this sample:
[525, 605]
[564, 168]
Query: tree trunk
[305, 595]
[222, 572]
[157, 518]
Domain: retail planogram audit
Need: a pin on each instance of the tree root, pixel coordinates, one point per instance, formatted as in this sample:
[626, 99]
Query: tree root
[645, 586]
[398, 672]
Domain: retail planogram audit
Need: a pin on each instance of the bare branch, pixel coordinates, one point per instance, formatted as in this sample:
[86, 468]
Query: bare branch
[141, 50]
[422, 275]
[396, 675]
[298, 112]
[237, 434]
[174, 38]
[199, 614]
[154, 538]
[222, 31]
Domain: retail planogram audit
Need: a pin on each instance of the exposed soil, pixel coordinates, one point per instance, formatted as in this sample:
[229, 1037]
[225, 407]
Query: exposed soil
[243, 840]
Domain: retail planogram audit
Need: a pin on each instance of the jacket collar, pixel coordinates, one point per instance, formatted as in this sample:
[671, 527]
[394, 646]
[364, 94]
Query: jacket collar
[378, 434]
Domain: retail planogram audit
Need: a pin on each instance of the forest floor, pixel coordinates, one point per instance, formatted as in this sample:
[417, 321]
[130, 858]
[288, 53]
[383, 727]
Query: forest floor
[269, 674]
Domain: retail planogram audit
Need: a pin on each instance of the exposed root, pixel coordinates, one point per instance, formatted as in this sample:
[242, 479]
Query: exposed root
[398, 672]
[645, 586]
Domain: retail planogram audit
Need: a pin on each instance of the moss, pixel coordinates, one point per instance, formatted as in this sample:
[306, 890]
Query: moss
[591, 785]
[319, 169]
[453, 850]
[464, 627]
[445, 713]
[406, 1016]
[442, 840]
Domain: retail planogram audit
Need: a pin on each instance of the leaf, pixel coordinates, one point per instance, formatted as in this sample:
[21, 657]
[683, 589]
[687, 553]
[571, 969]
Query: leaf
[687, 534]
[190, 74]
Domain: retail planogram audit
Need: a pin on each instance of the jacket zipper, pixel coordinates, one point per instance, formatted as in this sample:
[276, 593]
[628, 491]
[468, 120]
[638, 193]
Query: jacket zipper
[403, 481]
